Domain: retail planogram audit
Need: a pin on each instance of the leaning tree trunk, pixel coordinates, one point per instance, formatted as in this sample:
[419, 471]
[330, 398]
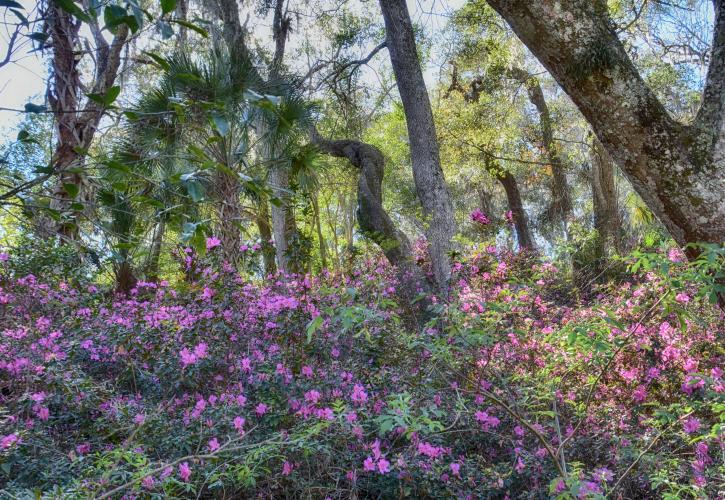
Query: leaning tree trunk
[677, 169]
[561, 205]
[76, 126]
[521, 223]
[604, 198]
[375, 223]
[427, 173]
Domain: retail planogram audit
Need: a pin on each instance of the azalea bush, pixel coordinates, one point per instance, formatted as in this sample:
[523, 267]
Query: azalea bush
[326, 386]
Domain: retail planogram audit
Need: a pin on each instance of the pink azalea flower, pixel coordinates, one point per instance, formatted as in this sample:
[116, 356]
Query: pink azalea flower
[691, 425]
[369, 464]
[359, 396]
[261, 409]
[478, 216]
[682, 298]
[213, 445]
[239, 424]
[184, 471]
[212, 242]
[8, 441]
[148, 482]
[287, 468]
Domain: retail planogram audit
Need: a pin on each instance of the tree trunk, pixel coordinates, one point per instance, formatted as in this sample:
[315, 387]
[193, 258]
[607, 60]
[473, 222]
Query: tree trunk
[152, 268]
[318, 225]
[677, 169]
[521, 224]
[561, 205]
[76, 127]
[375, 223]
[284, 227]
[427, 173]
[283, 219]
[228, 215]
[265, 234]
[604, 197]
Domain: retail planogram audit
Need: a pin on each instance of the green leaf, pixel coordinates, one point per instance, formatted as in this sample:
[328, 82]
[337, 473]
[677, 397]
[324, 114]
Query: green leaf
[21, 16]
[220, 123]
[23, 136]
[71, 189]
[195, 190]
[71, 8]
[312, 327]
[192, 27]
[47, 169]
[10, 4]
[114, 16]
[117, 165]
[35, 108]
[158, 60]
[107, 99]
[166, 30]
[167, 6]
[38, 36]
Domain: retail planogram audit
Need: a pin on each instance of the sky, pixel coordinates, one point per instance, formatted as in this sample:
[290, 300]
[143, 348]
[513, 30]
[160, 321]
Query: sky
[24, 79]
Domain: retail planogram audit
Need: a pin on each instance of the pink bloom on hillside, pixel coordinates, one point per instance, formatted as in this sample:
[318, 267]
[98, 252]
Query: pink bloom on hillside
[261, 409]
[640, 394]
[312, 397]
[369, 464]
[214, 445]
[83, 448]
[8, 441]
[682, 298]
[187, 357]
[184, 471]
[212, 242]
[148, 482]
[359, 396]
[456, 469]
[43, 413]
[383, 466]
[429, 450]
[287, 468]
[691, 425]
[200, 351]
[487, 421]
[239, 424]
[478, 216]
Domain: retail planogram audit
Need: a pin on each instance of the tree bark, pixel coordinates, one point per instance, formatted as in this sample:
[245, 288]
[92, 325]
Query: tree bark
[152, 268]
[561, 205]
[76, 127]
[265, 234]
[283, 219]
[318, 226]
[375, 223]
[678, 169]
[427, 173]
[604, 196]
[228, 215]
[521, 223]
